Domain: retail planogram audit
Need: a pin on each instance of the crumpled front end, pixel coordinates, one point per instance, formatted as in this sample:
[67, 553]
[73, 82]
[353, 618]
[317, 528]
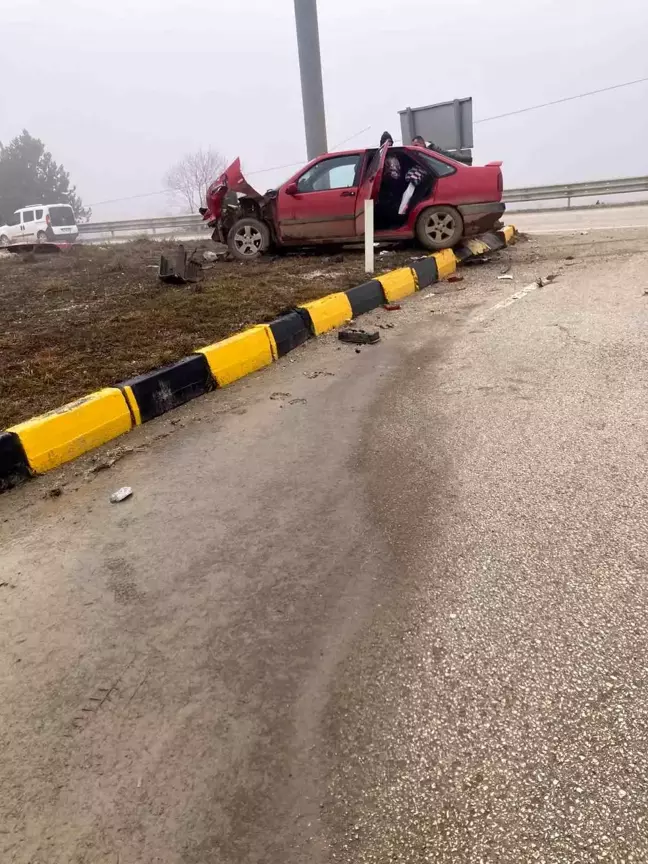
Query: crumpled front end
[223, 205]
[231, 180]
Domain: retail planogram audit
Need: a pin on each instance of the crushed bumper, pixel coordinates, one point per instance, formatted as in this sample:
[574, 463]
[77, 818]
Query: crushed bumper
[479, 218]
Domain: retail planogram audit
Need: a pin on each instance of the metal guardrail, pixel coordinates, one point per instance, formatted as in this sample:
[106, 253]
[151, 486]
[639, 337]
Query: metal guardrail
[194, 223]
[191, 222]
[620, 186]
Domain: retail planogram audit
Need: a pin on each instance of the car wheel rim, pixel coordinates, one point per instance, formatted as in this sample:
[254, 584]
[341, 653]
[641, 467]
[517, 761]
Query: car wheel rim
[248, 240]
[440, 227]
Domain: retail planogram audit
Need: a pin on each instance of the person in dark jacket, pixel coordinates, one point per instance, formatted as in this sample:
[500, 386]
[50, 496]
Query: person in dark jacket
[391, 187]
[419, 141]
[392, 163]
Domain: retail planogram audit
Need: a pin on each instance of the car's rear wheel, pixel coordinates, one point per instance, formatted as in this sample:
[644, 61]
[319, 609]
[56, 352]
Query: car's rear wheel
[4, 240]
[41, 237]
[439, 228]
[248, 239]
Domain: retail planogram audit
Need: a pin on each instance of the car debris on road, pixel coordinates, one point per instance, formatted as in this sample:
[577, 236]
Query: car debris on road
[210, 255]
[121, 494]
[359, 337]
[179, 269]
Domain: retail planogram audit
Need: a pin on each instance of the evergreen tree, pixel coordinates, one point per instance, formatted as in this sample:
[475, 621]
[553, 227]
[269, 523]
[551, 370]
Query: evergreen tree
[29, 175]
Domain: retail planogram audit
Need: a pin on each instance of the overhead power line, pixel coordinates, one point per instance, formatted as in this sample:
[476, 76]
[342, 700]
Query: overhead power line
[560, 101]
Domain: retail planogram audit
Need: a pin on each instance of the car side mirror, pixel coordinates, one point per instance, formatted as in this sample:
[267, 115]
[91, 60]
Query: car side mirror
[291, 189]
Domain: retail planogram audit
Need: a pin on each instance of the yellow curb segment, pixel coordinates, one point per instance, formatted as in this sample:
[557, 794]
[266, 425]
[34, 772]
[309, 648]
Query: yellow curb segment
[328, 312]
[398, 284]
[477, 247]
[241, 354]
[446, 262]
[65, 433]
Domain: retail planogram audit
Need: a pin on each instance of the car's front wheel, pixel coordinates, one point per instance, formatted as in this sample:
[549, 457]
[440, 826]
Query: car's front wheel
[439, 228]
[248, 239]
[4, 240]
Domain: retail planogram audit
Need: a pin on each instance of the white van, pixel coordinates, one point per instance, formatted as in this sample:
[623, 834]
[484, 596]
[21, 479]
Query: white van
[42, 223]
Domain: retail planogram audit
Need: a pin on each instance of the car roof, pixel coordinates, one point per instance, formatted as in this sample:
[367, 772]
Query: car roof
[362, 150]
[39, 206]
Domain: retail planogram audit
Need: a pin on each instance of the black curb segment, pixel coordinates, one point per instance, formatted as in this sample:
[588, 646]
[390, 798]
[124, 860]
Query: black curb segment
[13, 462]
[289, 331]
[427, 272]
[494, 241]
[303, 314]
[365, 297]
[462, 253]
[165, 389]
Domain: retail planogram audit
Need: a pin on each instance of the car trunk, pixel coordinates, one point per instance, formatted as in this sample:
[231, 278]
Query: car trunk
[62, 217]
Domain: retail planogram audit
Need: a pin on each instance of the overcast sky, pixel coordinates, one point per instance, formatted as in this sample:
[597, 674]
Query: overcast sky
[118, 90]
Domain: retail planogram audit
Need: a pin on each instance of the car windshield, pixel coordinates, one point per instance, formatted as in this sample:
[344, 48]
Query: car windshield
[62, 215]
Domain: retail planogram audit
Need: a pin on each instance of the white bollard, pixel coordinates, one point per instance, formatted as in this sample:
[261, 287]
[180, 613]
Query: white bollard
[369, 235]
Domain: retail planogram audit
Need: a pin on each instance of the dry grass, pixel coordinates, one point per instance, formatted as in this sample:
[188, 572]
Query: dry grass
[95, 315]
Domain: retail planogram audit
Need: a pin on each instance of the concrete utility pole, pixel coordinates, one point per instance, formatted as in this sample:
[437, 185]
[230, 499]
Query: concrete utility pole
[310, 66]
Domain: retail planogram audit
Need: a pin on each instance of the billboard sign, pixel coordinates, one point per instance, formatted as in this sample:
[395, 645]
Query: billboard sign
[448, 124]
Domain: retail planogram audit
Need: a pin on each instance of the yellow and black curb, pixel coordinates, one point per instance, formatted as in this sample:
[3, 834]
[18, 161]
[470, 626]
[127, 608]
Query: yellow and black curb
[51, 439]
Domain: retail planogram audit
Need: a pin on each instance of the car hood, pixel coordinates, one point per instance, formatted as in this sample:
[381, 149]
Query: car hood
[231, 180]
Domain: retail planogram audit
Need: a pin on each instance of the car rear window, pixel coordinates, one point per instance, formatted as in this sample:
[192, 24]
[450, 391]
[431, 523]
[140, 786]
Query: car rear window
[39, 214]
[440, 169]
[61, 215]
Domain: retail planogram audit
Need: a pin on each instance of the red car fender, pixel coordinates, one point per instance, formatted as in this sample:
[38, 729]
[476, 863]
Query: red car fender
[468, 185]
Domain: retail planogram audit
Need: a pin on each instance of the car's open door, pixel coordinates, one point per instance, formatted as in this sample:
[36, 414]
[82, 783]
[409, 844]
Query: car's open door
[370, 186]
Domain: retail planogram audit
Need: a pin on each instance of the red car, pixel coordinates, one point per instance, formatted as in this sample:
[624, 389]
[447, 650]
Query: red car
[323, 203]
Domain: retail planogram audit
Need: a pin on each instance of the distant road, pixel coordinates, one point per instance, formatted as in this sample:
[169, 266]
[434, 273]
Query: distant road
[561, 221]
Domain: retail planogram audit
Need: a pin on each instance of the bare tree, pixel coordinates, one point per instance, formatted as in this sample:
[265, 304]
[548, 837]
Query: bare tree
[190, 177]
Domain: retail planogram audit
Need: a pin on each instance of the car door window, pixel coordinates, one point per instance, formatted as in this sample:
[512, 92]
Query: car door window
[28, 216]
[339, 172]
[14, 219]
[39, 215]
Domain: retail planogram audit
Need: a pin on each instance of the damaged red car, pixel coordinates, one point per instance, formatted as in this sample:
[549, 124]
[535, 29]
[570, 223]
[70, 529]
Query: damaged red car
[419, 195]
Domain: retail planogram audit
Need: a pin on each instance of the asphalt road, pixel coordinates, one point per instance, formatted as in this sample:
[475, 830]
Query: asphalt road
[386, 606]
[588, 219]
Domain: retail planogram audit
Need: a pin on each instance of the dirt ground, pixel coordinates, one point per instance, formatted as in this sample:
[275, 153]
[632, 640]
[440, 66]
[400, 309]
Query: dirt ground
[95, 315]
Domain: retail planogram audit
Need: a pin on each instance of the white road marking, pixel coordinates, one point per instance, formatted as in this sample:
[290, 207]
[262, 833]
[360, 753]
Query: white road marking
[508, 301]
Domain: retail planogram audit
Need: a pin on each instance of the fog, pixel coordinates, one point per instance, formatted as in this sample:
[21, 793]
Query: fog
[119, 91]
